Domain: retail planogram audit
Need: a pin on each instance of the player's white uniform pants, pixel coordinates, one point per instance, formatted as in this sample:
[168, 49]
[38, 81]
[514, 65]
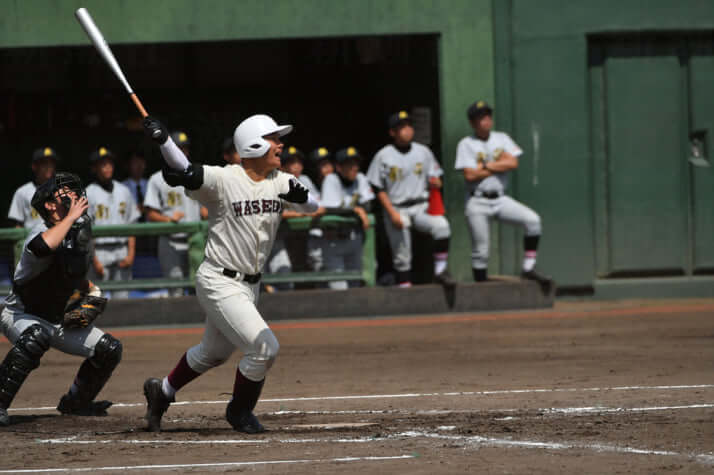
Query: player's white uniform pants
[75, 341]
[400, 240]
[478, 212]
[279, 261]
[110, 255]
[232, 321]
[174, 263]
[342, 255]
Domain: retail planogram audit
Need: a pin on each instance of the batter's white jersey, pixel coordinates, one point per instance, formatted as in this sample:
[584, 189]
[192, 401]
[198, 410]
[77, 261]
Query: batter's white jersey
[20, 209]
[243, 214]
[404, 176]
[472, 150]
[169, 199]
[336, 195]
[111, 207]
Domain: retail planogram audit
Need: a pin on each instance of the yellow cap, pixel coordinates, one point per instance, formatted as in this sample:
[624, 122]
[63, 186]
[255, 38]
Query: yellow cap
[183, 137]
[102, 151]
[322, 151]
[292, 150]
[403, 114]
[351, 152]
[47, 152]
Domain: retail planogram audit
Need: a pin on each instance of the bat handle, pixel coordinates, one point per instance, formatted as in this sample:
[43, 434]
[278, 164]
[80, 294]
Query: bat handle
[138, 105]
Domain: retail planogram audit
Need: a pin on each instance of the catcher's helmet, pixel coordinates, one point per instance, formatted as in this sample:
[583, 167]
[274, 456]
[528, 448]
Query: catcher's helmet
[248, 136]
[60, 186]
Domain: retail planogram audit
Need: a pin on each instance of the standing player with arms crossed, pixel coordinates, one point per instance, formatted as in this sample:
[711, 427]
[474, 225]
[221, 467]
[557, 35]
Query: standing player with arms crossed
[400, 175]
[244, 204]
[486, 158]
[52, 304]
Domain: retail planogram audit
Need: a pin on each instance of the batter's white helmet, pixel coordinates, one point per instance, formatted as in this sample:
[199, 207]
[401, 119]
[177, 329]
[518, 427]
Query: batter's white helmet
[248, 136]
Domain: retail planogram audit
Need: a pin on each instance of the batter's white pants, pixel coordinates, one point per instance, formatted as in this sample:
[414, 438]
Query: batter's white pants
[174, 263]
[400, 240]
[232, 321]
[75, 341]
[478, 212]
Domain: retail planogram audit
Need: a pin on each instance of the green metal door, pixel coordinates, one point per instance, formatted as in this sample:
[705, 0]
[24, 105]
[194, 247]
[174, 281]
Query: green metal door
[646, 196]
[701, 100]
[653, 123]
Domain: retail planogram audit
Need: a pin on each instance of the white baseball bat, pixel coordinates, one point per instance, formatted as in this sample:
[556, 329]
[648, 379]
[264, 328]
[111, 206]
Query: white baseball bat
[98, 40]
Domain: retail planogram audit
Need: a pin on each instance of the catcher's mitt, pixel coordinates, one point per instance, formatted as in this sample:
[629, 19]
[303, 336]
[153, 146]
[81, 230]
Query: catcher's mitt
[82, 309]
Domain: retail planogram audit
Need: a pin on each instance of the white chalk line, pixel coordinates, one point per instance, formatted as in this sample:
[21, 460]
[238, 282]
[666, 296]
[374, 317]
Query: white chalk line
[543, 410]
[208, 465]
[414, 395]
[477, 441]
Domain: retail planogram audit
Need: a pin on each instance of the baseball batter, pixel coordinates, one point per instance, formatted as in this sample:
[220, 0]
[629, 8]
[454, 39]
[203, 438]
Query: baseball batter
[169, 204]
[244, 204]
[44, 164]
[400, 174]
[50, 289]
[486, 158]
[111, 202]
[346, 192]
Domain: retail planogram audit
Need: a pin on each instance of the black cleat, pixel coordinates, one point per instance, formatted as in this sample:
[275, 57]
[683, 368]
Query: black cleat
[243, 421]
[4, 418]
[546, 283]
[157, 403]
[74, 407]
[445, 279]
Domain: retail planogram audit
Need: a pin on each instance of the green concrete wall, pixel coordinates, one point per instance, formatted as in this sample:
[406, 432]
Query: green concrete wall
[543, 96]
[463, 26]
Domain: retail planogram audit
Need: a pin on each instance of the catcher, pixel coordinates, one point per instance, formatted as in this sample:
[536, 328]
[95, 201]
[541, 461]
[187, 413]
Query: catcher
[52, 303]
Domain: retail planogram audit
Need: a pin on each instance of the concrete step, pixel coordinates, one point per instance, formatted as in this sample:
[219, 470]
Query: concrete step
[501, 294]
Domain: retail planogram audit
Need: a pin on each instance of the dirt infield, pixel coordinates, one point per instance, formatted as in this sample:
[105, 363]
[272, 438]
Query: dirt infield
[618, 387]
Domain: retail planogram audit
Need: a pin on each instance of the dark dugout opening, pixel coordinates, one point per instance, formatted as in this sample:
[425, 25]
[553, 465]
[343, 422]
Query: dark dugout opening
[337, 92]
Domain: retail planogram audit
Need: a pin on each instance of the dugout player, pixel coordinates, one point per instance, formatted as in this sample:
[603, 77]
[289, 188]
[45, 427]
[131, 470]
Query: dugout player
[400, 175]
[111, 202]
[51, 274]
[136, 167]
[245, 205]
[486, 158]
[230, 155]
[44, 164]
[169, 204]
[346, 192]
[321, 159]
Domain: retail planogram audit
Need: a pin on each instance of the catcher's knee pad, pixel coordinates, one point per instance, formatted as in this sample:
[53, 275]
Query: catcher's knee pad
[107, 352]
[24, 356]
[256, 364]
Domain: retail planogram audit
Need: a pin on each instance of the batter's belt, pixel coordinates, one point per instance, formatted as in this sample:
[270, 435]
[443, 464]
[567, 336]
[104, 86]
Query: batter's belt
[408, 203]
[249, 278]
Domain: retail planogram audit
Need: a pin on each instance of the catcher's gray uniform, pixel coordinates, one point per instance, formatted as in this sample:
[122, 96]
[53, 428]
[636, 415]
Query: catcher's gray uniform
[404, 177]
[115, 206]
[15, 319]
[344, 250]
[486, 198]
[173, 249]
[20, 209]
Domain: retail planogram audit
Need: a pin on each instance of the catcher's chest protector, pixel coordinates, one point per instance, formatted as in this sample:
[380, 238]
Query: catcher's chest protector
[46, 294]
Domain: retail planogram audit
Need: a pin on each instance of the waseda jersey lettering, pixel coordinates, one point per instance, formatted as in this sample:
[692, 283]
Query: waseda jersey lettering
[251, 207]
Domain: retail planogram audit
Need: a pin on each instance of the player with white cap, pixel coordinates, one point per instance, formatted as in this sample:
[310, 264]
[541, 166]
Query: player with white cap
[244, 203]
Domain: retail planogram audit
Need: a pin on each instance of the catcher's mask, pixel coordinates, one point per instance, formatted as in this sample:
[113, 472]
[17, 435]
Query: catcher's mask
[60, 187]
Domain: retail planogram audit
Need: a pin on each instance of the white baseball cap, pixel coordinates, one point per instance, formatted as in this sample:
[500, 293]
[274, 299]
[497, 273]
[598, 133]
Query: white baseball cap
[248, 136]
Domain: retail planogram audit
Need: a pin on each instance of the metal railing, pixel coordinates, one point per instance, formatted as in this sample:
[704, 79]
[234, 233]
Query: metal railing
[197, 233]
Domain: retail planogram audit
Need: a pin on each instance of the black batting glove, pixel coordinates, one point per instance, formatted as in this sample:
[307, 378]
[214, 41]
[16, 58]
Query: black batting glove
[296, 194]
[155, 130]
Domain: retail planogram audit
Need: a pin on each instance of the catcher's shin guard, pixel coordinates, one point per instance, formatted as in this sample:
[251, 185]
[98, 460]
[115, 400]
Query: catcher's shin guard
[91, 378]
[21, 360]
[239, 412]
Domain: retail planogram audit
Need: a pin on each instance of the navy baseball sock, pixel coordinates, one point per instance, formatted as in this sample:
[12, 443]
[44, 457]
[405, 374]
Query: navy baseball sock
[179, 377]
